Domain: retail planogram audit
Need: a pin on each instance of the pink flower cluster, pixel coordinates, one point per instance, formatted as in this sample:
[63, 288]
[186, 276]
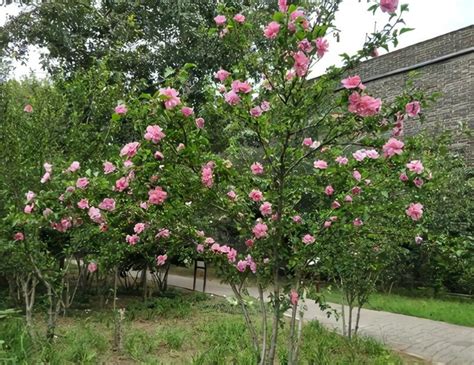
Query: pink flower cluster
[271, 30]
[248, 262]
[157, 196]
[388, 6]
[154, 133]
[48, 171]
[171, 97]
[260, 230]
[130, 149]
[415, 211]
[301, 63]
[362, 154]
[256, 168]
[207, 174]
[256, 195]
[308, 239]
[353, 82]
[266, 209]
[392, 147]
[364, 105]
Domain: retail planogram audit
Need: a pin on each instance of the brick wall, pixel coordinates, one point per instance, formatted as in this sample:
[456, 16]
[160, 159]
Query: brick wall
[453, 77]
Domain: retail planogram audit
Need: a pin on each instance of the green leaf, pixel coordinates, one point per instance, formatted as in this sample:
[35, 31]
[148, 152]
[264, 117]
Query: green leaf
[168, 72]
[279, 17]
[404, 30]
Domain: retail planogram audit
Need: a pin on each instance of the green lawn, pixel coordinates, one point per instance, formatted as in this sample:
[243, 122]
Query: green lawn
[446, 310]
[186, 329]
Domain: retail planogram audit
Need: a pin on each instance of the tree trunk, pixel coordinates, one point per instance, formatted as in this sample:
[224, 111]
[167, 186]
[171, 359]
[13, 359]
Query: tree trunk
[343, 311]
[145, 283]
[349, 331]
[51, 313]
[357, 319]
[248, 320]
[275, 327]
[28, 287]
[300, 331]
[292, 342]
[263, 354]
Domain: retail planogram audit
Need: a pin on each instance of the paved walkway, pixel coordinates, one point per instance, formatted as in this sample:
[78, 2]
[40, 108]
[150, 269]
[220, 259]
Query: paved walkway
[438, 342]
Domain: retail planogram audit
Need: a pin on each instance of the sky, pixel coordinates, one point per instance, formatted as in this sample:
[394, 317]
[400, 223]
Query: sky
[430, 18]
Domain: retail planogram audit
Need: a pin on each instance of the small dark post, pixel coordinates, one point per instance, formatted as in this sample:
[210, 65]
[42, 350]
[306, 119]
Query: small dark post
[200, 265]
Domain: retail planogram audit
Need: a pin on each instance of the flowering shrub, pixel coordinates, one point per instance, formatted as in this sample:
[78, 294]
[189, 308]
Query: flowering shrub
[304, 167]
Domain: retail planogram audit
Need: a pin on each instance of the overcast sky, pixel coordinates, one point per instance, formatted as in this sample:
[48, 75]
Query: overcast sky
[430, 18]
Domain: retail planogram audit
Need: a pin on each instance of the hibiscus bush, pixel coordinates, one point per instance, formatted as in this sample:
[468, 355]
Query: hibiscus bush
[314, 172]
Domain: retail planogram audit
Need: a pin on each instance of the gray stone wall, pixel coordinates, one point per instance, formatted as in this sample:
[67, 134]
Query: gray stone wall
[452, 77]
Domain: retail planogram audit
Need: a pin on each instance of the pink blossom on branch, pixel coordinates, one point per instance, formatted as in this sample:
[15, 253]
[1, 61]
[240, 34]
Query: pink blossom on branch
[403, 177]
[83, 204]
[207, 177]
[220, 20]
[392, 147]
[357, 222]
[171, 97]
[18, 236]
[157, 196]
[130, 149]
[221, 75]
[271, 30]
[256, 168]
[92, 267]
[260, 230]
[359, 155]
[95, 215]
[132, 240]
[282, 6]
[239, 18]
[46, 177]
[232, 98]
[356, 175]
[308, 239]
[329, 190]
[413, 109]
[320, 164]
[241, 86]
[364, 105]
[353, 82]
[415, 166]
[139, 228]
[82, 182]
[322, 46]
[418, 181]
[121, 109]
[154, 133]
[389, 6]
[301, 63]
[121, 184]
[187, 111]
[200, 123]
[256, 195]
[256, 111]
[342, 160]
[108, 167]
[415, 211]
[107, 204]
[74, 166]
[266, 209]
[30, 196]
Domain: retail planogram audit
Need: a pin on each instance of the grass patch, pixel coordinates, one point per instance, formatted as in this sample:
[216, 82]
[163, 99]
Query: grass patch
[186, 329]
[445, 310]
